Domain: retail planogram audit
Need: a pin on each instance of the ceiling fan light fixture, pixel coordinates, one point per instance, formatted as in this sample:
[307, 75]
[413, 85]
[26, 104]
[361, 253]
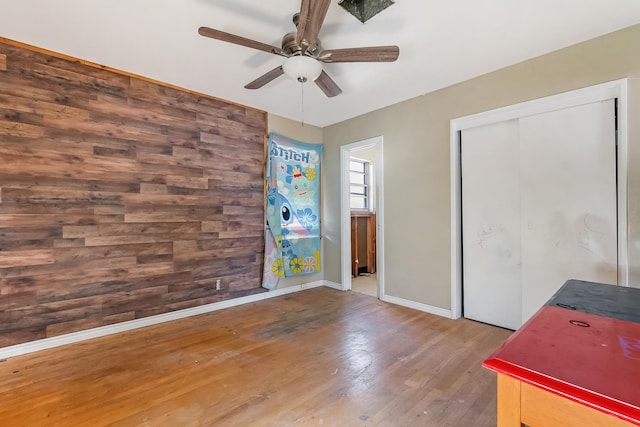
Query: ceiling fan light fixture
[302, 68]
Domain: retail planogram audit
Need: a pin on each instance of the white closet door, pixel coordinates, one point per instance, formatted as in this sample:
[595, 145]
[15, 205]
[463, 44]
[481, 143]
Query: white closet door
[568, 200]
[491, 224]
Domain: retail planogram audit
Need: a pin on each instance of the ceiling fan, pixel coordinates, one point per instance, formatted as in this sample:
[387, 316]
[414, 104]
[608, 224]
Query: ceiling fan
[304, 52]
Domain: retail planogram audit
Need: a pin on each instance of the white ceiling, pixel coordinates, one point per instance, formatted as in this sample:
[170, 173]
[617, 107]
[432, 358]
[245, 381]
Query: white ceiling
[441, 42]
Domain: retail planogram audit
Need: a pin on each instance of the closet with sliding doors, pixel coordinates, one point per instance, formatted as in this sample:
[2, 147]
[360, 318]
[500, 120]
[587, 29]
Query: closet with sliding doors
[539, 207]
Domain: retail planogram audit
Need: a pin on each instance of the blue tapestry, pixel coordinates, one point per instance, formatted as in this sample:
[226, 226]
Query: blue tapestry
[292, 240]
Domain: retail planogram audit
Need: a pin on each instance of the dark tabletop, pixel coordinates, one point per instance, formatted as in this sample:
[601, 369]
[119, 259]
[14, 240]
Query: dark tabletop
[616, 302]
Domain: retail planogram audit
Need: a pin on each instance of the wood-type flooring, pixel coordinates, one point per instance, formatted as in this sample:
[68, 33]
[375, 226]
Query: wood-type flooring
[319, 357]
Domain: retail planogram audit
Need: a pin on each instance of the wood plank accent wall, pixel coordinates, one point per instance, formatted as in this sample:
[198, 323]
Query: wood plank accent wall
[120, 198]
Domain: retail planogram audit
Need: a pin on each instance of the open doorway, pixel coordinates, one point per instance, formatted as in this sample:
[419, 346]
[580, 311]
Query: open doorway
[361, 188]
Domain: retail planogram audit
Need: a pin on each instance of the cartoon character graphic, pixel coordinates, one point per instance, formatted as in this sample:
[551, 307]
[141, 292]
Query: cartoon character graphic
[292, 210]
[300, 182]
[291, 227]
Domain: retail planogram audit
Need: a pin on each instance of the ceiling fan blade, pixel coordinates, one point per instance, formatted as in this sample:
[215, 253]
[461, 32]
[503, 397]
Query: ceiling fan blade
[312, 14]
[328, 86]
[361, 54]
[242, 41]
[265, 78]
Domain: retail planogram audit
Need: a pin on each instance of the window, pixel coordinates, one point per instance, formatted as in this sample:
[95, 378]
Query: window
[359, 180]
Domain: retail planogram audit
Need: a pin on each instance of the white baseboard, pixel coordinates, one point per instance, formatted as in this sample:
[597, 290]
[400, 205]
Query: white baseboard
[333, 285]
[417, 306]
[43, 344]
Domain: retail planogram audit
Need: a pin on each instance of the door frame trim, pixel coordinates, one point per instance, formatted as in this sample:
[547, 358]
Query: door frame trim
[345, 211]
[616, 89]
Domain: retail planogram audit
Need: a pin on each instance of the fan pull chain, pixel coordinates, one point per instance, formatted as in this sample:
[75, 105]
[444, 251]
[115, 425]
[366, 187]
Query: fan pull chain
[302, 101]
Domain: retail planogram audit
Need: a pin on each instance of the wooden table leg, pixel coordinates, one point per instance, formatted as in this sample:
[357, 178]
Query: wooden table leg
[508, 402]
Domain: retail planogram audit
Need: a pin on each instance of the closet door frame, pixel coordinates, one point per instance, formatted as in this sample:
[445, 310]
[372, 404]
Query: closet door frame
[611, 90]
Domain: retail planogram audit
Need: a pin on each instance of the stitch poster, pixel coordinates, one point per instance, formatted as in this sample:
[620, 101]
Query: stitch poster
[292, 240]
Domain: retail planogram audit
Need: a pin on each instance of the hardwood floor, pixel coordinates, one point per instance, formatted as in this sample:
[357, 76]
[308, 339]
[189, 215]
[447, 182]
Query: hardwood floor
[317, 357]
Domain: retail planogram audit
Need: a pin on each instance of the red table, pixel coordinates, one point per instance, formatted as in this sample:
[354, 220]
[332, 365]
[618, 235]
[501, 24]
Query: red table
[568, 366]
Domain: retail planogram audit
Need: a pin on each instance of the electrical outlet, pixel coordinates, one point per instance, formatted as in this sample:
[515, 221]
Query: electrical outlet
[217, 284]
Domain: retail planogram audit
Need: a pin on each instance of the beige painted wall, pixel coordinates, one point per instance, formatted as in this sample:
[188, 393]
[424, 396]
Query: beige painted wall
[311, 134]
[633, 179]
[416, 159]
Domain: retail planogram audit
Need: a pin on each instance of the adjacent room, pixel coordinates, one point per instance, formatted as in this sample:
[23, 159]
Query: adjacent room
[319, 212]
